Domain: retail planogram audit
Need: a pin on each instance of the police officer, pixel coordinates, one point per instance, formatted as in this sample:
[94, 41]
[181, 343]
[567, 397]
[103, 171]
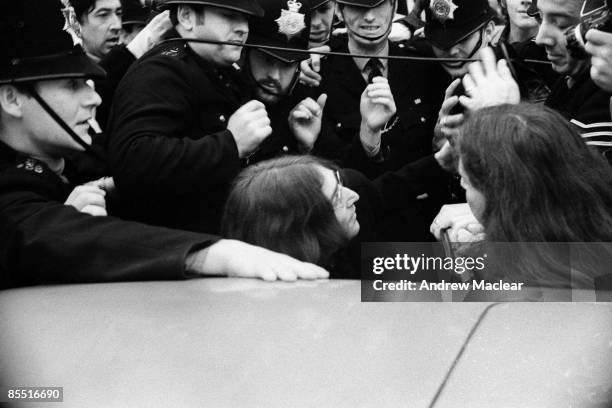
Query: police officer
[295, 111]
[181, 122]
[54, 231]
[387, 140]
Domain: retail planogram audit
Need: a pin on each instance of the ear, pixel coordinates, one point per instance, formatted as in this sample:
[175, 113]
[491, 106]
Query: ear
[11, 101]
[185, 16]
[488, 32]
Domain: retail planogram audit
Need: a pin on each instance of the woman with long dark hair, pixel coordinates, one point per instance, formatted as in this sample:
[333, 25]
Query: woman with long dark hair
[530, 180]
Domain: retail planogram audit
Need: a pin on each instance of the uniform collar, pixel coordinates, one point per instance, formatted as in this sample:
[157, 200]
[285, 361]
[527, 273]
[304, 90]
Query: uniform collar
[361, 62]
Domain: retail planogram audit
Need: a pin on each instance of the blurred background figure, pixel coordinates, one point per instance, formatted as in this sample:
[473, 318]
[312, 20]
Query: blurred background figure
[135, 18]
[100, 22]
[321, 22]
[519, 26]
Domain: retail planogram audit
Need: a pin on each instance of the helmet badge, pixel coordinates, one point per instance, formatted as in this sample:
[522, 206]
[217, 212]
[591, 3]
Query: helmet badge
[291, 21]
[71, 25]
[443, 10]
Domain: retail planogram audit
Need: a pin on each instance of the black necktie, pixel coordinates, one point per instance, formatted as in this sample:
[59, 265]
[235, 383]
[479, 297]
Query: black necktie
[374, 69]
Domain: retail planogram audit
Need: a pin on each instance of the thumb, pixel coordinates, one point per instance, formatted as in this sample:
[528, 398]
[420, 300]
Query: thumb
[322, 100]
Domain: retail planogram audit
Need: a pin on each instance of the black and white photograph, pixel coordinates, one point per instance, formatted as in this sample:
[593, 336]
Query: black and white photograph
[306, 203]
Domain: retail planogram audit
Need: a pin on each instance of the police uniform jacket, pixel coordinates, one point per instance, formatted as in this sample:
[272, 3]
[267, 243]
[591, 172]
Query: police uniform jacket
[45, 241]
[169, 150]
[408, 135]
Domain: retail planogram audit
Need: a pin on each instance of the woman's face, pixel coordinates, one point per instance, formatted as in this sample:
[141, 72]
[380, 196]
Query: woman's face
[343, 200]
[474, 197]
[517, 12]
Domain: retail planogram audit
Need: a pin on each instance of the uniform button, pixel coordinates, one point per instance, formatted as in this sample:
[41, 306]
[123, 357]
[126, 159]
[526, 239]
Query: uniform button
[417, 101]
[401, 45]
[285, 149]
[222, 118]
[338, 125]
[423, 119]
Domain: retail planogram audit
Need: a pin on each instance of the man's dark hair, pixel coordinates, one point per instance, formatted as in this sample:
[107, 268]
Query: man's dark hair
[82, 8]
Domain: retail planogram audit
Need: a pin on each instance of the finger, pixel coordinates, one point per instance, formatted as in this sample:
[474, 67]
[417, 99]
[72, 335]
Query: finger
[448, 105]
[285, 273]
[489, 61]
[476, 71]
[453, 121]
[267, 274]
[310, 271]
[256, 115]
[386, 102]
[252, 106]
[504, 70]
[451, 88]
[468, 84]
[475, 228]
[598, 37]
[301, 115]
[315, 62]
[373, 87]
[380, 80]
[380, 93]
[94, 210]
[321, 101]
[468, 103]
[311, 106]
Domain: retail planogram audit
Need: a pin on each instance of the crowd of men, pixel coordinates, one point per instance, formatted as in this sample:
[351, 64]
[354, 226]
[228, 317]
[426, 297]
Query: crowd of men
[128, 181]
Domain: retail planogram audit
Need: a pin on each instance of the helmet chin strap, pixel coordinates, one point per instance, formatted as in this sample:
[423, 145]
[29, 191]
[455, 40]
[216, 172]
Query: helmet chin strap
[57, 118]
[294, 81]
[476, 47]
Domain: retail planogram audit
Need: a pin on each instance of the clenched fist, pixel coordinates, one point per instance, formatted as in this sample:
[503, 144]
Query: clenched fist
[250, 126]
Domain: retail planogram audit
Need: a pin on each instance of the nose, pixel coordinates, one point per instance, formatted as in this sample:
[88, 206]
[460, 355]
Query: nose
[241, 25]
[274, 71]
[91, 99]
[315, 21]
[115, 24]
[369, 16]
[545, 35]
[351, 196]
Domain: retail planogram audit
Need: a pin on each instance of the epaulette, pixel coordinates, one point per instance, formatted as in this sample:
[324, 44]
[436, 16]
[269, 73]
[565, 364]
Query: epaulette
[174, 51]
[30, 164]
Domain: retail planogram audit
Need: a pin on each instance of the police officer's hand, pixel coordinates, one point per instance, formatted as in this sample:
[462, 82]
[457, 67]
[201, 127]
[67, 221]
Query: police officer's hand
[599, 45]
[310, 68]
[448, 124]
[305, 121]
[489, 83]
[377, 104]
[238, 259]
[150, 35]
[250, 126]
[88, 198]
